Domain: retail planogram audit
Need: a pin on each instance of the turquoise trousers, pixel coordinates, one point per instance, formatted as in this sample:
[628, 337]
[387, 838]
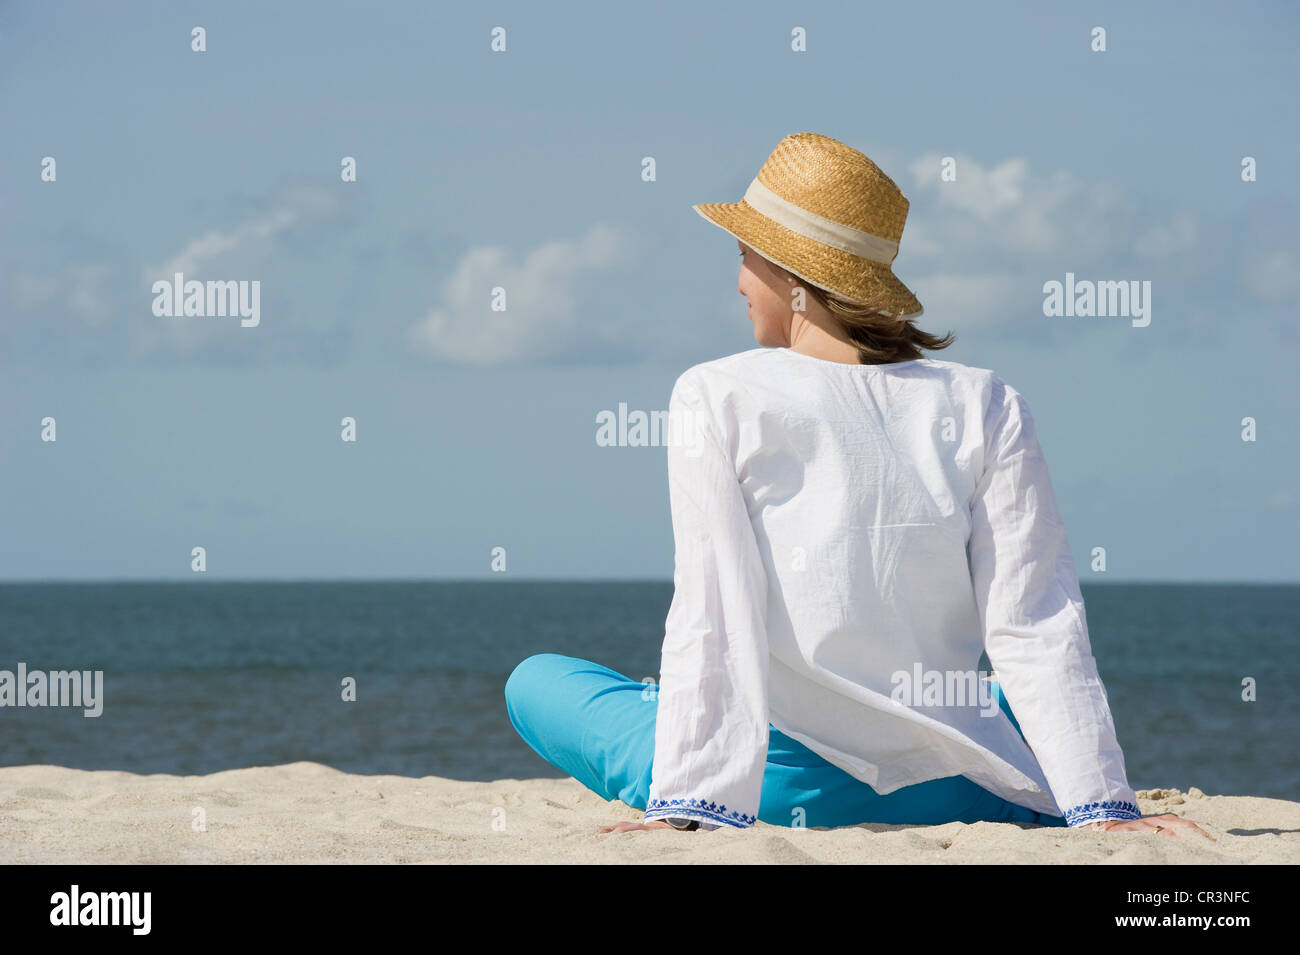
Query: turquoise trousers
[599, 727]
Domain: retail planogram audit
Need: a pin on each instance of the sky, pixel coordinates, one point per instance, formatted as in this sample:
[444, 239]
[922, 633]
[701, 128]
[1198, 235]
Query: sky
[562, 169]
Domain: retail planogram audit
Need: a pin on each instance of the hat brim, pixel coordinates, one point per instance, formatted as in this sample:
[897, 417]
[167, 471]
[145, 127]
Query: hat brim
[855, 278]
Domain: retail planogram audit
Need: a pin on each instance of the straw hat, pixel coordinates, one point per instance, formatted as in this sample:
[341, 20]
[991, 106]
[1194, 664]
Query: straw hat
[826, 213]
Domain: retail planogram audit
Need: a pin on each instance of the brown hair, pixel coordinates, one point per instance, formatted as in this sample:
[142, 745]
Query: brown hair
[878, 337]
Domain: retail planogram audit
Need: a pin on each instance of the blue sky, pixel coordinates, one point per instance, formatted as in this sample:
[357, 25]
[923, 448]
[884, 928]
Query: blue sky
[522, 169]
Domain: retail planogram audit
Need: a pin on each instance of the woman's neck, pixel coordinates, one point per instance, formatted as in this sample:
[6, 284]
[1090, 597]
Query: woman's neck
[809, 337]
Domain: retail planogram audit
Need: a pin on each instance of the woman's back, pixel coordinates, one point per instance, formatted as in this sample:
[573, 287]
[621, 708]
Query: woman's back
[856, 530]
[858, 481]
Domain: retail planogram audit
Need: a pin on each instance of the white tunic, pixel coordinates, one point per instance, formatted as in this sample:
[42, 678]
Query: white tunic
[838, 525]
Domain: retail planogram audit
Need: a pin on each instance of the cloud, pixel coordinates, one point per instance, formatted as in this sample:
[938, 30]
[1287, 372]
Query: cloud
[986, 194]
[242, 252]
[1003, 210]
[253, 236]
[541, 297]
[992, 215]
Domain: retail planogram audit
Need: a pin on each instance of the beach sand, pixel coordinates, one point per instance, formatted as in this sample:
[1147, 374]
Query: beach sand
[310, 813]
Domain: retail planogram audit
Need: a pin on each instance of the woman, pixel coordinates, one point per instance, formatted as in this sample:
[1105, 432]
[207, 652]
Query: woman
[853, 523]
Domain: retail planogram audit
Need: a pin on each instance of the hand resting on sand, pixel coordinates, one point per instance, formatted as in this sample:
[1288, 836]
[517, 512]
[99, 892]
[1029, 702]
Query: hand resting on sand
[1165, 825]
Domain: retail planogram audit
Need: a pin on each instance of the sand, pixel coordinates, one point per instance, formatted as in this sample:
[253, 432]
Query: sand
[310, 813]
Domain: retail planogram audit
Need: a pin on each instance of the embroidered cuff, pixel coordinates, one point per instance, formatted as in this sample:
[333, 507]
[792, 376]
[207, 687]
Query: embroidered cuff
[699, 809]
[1097, 811]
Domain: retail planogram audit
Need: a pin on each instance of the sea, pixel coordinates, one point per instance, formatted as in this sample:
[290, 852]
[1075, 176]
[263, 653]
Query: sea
[1203, 680]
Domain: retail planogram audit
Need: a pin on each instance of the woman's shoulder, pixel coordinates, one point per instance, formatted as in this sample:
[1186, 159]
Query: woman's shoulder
[983, 381]
[730, 363]
[720, 374]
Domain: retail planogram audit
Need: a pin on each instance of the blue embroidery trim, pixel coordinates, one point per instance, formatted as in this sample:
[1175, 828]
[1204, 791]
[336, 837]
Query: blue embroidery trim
[1093, 811]
[712, 810]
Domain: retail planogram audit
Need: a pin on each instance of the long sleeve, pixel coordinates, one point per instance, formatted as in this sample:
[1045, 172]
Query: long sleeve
[1036, 633]
[711, 729]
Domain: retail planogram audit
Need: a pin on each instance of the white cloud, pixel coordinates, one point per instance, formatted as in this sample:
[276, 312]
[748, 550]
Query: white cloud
[236, 253]
[992, 217]
[542, 298]
[984, 193]
[1004, 209]
[252, 236]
